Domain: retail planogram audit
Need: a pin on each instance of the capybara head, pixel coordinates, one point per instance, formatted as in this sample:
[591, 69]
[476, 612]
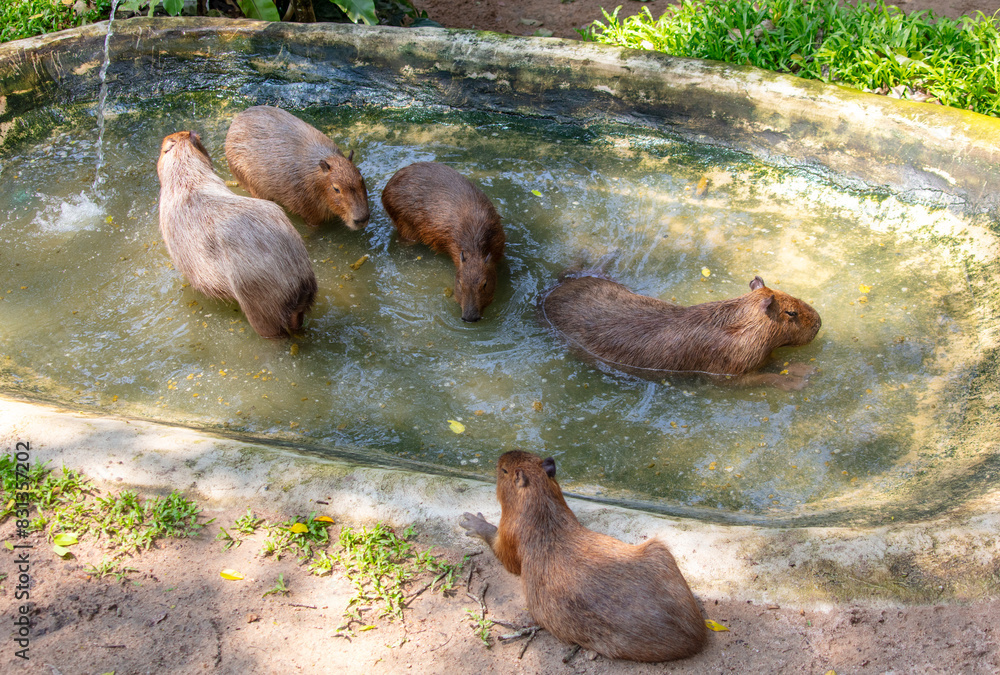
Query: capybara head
[179, 148]
[344, 189]
[792, 322]
[523, 476]
[475, 283]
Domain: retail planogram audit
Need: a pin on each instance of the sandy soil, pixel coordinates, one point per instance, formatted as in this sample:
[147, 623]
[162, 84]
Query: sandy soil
[562, 17]
[177, 615]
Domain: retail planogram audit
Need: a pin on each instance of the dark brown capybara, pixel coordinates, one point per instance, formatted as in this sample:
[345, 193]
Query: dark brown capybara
[232, 247]
[649, 338]
[435, 205]
[275, 155]
[620, 600]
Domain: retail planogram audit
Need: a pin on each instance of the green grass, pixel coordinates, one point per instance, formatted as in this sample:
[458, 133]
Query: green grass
[27, 18]
[872, 47]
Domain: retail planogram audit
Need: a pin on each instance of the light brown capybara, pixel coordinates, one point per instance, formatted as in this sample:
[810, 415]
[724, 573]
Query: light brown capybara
[646, 337]
[275, 155]
[232, 247]
[620, 600]
[435, 205]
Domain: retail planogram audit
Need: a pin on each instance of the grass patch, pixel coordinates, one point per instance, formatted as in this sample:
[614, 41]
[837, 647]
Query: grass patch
[872, 47]
[66, 507]
[27, 18]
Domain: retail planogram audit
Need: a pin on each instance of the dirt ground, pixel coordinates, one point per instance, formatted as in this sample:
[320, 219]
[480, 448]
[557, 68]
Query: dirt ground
[176, 614]
[563, 17]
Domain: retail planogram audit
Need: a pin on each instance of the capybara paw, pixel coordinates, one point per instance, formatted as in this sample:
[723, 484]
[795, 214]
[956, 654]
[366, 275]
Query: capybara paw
[476, 525]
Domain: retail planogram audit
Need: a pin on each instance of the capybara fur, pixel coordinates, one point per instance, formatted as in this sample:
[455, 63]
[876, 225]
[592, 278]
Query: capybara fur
[275, 155]
[435, 205]
[620, 600]
[603, 320]
[232, 247]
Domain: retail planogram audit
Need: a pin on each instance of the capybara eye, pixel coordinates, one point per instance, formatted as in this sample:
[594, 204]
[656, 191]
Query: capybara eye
[791, 313]
[336, 189]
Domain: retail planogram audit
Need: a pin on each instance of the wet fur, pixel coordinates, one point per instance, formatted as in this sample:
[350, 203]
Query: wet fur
[637, 333]
[274, 155]
[435, 205]
[232, 247]
[620, 600]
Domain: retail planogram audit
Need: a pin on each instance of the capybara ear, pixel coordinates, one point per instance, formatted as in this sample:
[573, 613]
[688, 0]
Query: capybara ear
[520, 478]
[323, 164]
[350, 156]
[196, 141]
[767, 303]
[756, 283]
[549, 465]
[488, 256]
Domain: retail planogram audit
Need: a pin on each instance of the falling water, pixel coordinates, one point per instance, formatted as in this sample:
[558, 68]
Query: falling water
[103, 96]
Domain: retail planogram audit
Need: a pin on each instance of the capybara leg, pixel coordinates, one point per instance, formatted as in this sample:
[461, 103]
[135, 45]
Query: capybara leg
[267, 328]
[476, 526]
[295, 321]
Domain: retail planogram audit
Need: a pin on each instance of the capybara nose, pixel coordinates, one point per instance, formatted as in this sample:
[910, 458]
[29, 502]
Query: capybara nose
[471, 318]
[361, 224]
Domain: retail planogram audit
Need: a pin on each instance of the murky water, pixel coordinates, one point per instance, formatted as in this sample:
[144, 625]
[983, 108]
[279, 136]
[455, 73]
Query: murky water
[94, 314]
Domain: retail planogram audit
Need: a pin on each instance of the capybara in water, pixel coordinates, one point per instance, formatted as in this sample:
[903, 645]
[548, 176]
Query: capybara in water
[434, 204]
[229, 246]
[649, 338]
[620, 600]
[275, 155]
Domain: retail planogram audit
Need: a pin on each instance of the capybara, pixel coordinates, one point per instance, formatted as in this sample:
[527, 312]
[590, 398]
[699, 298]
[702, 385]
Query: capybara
[602, 319]
[620, 600]
[229, 246]
[435, 205]
[275, 155]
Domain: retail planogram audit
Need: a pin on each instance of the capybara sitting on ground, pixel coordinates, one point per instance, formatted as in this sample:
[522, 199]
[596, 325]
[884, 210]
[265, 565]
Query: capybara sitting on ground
[434, 204]
[229, 246]
[650, 338]
[275, 155]
[620, 600]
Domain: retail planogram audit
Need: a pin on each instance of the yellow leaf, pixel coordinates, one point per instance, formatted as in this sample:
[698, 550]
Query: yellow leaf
[536, 193]
[231, 575]
[369, 627]
[796, 57]
[705, 272]
[10, 504]
[293, 350]
[457, 427]
[356, 265]
[830, 672]
[298, 528]
[324, 519]
[715, 625]
[864, 288]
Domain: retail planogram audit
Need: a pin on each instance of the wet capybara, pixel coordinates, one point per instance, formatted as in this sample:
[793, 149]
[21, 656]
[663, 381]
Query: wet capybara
[643, 336]
[435, 205]
[620, 600]
[275, 155]
[232, 247]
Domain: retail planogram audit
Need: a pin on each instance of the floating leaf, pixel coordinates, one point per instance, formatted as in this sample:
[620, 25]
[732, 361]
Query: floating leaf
[299, 528]
[457, 427]
[702, 186]
[705, 272]
[230, 575]
[536, 193]
[61, 551]
[293, 350]
[65, 539]
[324, 519]
[864, 288]
[716, 626]
[356, 265]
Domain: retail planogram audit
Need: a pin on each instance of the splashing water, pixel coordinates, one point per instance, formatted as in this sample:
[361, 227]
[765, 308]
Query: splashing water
[102, 97]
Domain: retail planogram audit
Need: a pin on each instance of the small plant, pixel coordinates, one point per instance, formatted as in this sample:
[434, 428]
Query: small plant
[380, 565]
[248, 523]
[131, 525]
[304, 537]
[322, 564]
[26, 18]
[279, 587]
[109, 567]
[481, 627]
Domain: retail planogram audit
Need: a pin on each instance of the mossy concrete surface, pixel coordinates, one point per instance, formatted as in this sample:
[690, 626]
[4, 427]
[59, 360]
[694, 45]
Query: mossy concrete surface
[953, 558]
[917, 150]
